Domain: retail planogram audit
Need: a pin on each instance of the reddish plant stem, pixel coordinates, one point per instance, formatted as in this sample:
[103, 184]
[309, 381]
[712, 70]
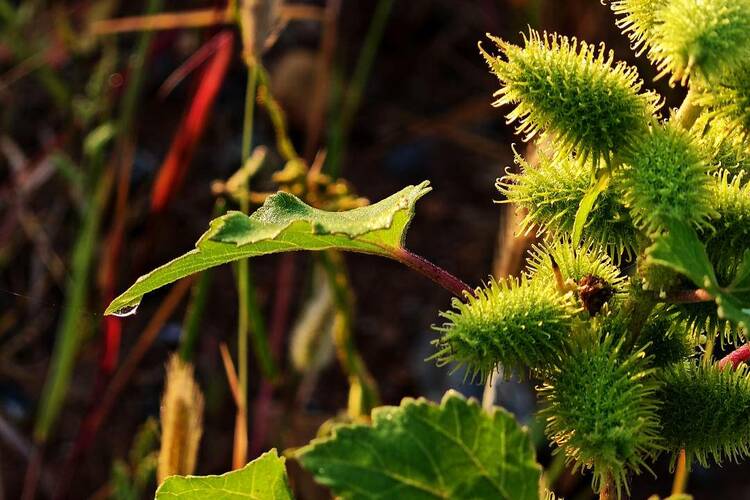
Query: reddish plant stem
[430, 270]
[689, 296]
[736, 357]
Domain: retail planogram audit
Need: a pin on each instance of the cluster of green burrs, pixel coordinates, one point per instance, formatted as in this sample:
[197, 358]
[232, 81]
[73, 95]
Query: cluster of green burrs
[645, 216]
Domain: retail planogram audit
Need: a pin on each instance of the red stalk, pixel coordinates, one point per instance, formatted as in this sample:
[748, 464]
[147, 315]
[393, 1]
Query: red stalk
[174, 168]
[736, 357]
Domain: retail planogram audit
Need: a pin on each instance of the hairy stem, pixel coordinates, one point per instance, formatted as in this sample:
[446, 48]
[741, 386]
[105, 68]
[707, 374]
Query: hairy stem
[430, 270]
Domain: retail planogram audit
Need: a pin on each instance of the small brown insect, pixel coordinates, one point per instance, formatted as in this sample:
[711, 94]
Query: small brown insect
[594, 293]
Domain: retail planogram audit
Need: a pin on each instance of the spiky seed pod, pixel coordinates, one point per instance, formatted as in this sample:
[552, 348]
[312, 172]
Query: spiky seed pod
[601, 409]
[665, 339]
[521, 324]
[637, 20]
[573, 92]
[726, 144]
[703, 36]
[590, 271]
[666, 179]
[729, 100]
[728, 240]
[706, 411]
[551, 191]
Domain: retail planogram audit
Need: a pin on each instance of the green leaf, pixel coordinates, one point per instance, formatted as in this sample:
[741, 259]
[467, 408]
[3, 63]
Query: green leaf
[422, 450]
[587, 204]
[682, 250]
[283, 224]
[734, 301]
[264, 479]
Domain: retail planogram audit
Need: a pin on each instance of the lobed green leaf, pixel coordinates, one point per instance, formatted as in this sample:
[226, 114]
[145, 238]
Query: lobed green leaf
[420, 450]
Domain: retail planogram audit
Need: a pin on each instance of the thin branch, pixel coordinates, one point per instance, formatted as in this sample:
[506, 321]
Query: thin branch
[432, 271]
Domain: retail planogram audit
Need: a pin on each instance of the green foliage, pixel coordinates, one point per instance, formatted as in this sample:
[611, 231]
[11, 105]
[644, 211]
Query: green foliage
[519, 323]
[665, 179]
[706, 411]
[263, 478]
[700, 36]
[283, 224]
[131, 479]
[551, 191]
[420, 450]
[599, 111]
[601, 409]
[681, 250]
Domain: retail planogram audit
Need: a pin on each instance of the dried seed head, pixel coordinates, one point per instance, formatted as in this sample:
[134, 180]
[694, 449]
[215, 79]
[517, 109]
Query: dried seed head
[181, 421]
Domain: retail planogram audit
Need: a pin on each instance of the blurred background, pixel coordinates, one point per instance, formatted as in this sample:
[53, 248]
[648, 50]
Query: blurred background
[118, 133]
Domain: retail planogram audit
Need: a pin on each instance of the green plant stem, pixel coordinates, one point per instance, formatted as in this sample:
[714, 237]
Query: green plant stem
[688, 111]
[259, 333]
[243, 279]
[432, 271]
[276, 114]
